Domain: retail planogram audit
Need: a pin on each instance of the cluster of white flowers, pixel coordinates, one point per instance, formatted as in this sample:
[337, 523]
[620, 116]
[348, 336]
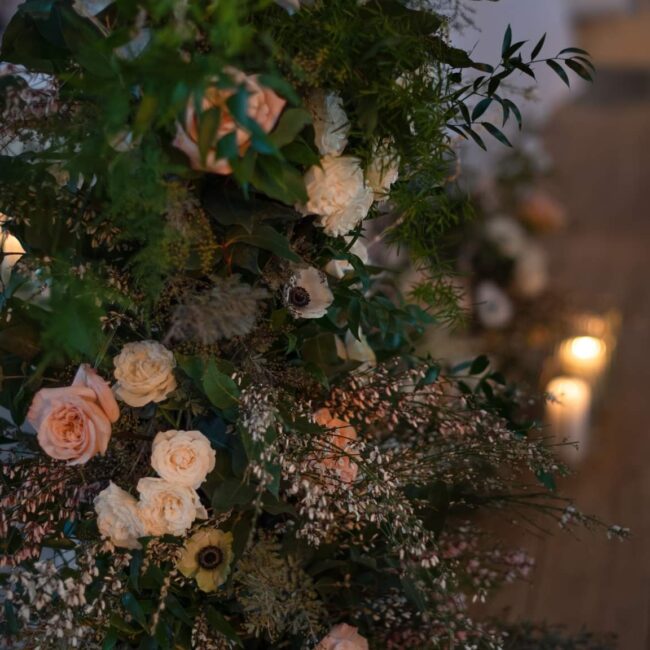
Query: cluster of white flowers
[168, 503]
[512, 240]
[338, 190]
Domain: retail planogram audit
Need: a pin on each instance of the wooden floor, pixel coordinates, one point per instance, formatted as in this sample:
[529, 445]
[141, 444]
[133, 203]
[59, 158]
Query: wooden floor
[602, 149]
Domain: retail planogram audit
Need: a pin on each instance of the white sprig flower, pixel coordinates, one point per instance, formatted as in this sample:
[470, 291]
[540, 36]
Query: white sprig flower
[331, 124]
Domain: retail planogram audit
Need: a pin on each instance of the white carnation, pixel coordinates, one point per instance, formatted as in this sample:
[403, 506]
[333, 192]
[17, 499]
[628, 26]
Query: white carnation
[338, 193]
[331, 124]
[118, 517]
[182, 457]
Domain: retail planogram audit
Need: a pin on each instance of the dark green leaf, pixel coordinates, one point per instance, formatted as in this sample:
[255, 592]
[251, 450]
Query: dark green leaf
[111, 639]
[219, 388]
[496, 133]
[515, 47]
[538, 48]
[265, 237]
[507, 41]
[134, 608]
[480, 108]
[232, 492]
[479, 365]
[293, 120]
[515, 110]
[573, 50]
[579, 69]
[559, 71]
[220, 624]
[476, 137]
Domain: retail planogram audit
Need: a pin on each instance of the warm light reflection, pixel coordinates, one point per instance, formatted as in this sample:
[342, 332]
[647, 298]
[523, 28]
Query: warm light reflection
[568, 413]
[584, 356]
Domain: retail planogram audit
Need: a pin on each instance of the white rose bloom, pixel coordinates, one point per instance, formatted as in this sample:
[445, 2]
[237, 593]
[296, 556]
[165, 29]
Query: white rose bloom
[494, 308]
[182, 457]
[531, 272]
[339, 268]
[507, 234]
[144, 371]
[118, 517]
[383, 171]
[353, 349]
[338, 193]
[307, 294]
[331, 124]
[168, 508]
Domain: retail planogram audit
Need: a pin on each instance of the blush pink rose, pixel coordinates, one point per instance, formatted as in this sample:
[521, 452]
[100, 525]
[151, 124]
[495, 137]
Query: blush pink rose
[335, 457]
[73, 423]
[343, 637]
[264, 107]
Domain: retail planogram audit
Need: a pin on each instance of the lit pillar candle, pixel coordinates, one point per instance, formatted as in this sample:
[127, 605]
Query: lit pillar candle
[584, 356]
[568, 415]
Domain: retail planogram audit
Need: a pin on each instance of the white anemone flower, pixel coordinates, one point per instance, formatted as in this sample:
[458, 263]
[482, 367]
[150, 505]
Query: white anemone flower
[307, 294]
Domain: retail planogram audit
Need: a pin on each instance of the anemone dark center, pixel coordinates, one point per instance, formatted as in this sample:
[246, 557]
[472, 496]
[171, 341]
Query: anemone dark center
[210, 557]
[299, 297]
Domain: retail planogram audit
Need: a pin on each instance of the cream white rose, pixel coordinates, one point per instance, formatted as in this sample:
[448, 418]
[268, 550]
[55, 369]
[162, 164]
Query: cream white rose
[144, 372]
[182, 457]
[338, 194]
[331, 125]
[168, 508]
[118, 517]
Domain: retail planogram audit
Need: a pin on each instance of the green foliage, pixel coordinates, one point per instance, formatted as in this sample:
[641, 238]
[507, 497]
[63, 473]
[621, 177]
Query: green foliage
[128, 233]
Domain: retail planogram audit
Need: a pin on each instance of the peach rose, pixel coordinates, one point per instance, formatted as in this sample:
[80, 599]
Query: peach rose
[341, 437]
[73, 423]
[264, 106]
[343, 637]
